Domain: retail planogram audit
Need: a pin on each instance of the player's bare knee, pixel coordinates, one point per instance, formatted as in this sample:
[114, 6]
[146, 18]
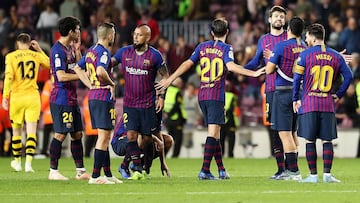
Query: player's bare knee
[60, 137]
[77, 135]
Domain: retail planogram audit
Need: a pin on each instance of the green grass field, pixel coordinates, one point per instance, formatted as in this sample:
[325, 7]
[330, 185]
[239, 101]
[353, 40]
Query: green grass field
[249, 183]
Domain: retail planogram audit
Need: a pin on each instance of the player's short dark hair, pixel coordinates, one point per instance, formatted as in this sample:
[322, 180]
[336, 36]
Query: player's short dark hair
[23, 38]
[219, 27]
[317, 30]
[296, 26]
[67, 24]
[278, 9]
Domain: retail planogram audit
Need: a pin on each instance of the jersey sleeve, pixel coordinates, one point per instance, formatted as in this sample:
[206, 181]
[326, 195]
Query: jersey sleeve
[195, 55]
[158, 60]
[276, 54]
[299, 67]
[104, 60]
[347, 75]
[9, 76]
[256, 60]
[118, 54]
[59, 61]
[44, 60]
[82, 63]
[229, 55]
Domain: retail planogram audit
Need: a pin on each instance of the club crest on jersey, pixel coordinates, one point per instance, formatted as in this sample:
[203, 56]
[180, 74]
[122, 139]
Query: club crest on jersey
[68, 125]
[146, 62]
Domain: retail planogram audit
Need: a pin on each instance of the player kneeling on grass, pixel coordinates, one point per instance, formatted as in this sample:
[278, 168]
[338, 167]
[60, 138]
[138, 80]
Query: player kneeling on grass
[149, 153]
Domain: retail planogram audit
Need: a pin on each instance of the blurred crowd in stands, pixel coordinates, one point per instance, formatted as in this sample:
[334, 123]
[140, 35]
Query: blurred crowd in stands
[247, 22]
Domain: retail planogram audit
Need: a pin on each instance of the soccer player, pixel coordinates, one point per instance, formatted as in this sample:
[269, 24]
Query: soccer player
[101, 100]
[265, 47]
[140, 63]
[64, 108]
[216, 59]
[283, 118]
[21, 72]
[119, 144]
[318, 67]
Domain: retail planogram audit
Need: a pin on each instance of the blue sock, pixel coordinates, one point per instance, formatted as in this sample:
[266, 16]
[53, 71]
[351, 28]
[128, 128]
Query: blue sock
[311, 157]
[328, 156]
[55, 153]
[209, 149]
[77, 153]
[218, 156]
[291, 159]
[106, 166]
[278, 152]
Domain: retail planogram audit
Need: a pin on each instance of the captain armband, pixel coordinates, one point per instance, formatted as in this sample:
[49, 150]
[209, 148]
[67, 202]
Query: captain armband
[299, 69]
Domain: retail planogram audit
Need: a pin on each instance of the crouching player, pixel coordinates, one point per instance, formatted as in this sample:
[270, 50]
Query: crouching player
[149, 152]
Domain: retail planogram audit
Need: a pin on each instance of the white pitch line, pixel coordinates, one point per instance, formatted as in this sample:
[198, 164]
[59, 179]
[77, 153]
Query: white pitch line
[172, 193]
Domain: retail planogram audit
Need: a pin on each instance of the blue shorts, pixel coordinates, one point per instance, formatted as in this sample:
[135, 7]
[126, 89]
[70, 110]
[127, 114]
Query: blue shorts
[119, 145]
[317, 125]
[143, 121]
[213, 112]
[102, 114]
[269, 101]
[67, 119]
[283, 117]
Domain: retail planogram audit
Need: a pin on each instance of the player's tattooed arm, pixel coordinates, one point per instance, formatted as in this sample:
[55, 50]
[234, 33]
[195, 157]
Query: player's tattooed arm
[164, 71]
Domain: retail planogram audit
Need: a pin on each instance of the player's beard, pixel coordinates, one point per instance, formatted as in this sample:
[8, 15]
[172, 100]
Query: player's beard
[139, 47]
[277, 25]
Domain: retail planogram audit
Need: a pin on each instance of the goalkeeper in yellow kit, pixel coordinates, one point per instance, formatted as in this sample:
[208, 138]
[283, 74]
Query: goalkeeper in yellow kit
[21, 95]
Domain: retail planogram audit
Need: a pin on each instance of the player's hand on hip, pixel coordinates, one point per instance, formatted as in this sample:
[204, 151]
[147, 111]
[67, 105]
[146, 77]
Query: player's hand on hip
[112, 90]
[335, 97]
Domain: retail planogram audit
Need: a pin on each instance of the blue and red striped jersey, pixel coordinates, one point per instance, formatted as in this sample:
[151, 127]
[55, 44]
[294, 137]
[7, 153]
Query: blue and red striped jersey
[63, 58]
[95, 57]
[267, 41]
[319, 67]
[284, 56]
[139, 74]
[213, 56]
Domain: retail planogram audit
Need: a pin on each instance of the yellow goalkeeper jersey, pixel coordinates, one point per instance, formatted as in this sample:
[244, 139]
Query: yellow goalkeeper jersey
[21, 71]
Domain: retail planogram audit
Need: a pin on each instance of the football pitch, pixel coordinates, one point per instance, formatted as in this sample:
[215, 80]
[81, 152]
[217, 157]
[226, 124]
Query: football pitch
[249, 183]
